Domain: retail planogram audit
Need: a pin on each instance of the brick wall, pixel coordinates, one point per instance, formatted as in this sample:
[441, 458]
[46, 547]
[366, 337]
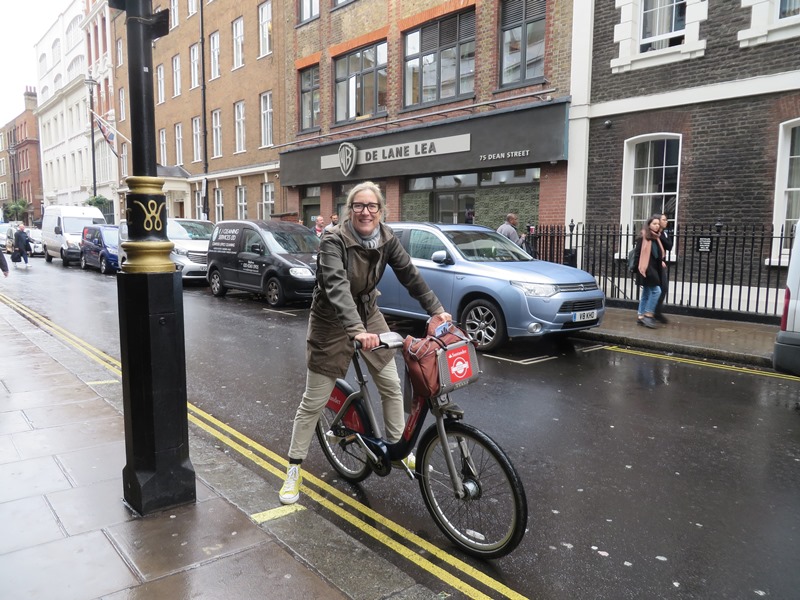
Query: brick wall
[723, 61]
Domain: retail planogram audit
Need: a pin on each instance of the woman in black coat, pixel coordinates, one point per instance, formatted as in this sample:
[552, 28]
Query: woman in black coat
[649, 255]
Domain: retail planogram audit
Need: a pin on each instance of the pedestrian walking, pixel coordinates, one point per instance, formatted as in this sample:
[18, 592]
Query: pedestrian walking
[509, 229]
[319, 227]
[666, 243]
[22, 244]
[334, 222]
[350, 263]
[649, 257]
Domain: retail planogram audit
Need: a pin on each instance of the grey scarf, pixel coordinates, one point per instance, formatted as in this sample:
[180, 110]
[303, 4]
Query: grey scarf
[370, 241]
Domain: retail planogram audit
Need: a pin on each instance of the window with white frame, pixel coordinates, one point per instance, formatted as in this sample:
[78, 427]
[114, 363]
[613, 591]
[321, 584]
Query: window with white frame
[265, 207]
[123, 158]
[197, 140]
[309, 9]
[651, 174]
[239, 126]
[214, 52]
[191, 7]
[265, 28]
[770, 21]
[219, 205]
[360, 82]
[173, 14]
[216, 133]
[439, 60]
[160, 84]
[194, 65]
[522, 37]
[658, 32]
[162, 146]
[122, 107]
[238, 43]
[2, 167]
[787, 182]
[178, 143]
[120, 53]
[176, 75]
[198, 204]
[309, 97]
[266, 119]
[241, 202]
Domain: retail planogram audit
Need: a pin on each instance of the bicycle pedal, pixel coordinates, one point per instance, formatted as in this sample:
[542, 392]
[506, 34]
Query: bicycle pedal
[453, 410]
[333, 437]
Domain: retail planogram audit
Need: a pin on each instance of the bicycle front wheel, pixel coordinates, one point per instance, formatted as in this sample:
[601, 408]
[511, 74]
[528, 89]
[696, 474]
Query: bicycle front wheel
[346, 457]
[490, 519]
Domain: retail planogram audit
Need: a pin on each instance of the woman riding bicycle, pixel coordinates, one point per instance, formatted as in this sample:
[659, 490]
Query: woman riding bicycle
[352, 258]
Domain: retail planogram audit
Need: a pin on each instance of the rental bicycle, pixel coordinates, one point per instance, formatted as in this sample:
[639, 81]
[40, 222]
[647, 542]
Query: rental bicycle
[467, 481]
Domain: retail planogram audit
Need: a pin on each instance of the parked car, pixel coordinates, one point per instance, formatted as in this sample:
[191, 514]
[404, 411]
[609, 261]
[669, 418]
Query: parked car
[491, 286]
[99, 248]
[9, 239]
[190, 252]
[786, 355]
[62, 227]
[37, 246]
[274, 258]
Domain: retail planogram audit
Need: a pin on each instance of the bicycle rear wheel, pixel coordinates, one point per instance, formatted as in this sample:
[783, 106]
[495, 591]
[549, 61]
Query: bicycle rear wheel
[346, 457]
[490, 520]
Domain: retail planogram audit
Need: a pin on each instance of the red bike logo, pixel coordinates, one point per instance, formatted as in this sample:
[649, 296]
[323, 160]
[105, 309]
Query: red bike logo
[459, 364]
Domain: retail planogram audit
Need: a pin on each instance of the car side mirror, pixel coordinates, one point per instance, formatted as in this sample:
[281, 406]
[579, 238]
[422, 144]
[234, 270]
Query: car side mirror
[257, 249]
[440, 257]
[58, 230]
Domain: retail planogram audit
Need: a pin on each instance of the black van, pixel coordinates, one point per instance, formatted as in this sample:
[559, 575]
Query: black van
[275, 258]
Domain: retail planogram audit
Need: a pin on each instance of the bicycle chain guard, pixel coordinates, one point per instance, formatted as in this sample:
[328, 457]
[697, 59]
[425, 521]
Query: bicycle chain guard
[378, 447]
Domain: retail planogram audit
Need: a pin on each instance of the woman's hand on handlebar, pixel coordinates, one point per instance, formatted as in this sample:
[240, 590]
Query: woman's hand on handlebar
[436, 320]
[367, 341]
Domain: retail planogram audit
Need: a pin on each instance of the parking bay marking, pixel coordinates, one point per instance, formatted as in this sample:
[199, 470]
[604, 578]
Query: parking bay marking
[524, 361]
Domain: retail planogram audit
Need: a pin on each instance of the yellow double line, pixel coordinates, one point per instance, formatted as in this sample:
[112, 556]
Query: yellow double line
[370, 522]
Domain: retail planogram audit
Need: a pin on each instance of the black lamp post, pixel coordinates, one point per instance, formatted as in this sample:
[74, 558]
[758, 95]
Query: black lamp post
[90, 83]
[158, 473]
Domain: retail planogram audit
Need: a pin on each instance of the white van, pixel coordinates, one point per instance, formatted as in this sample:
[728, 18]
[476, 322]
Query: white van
[786, 356]
[62, 227]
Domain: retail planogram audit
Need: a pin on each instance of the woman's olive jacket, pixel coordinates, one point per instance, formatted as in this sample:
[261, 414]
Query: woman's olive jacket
[345, 297]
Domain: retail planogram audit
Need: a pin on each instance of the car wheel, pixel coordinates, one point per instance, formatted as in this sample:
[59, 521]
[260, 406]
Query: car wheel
[104, 268]
[484, 323]
[274, 292]
[84, 266]
[47, 257]
[64, 261]
[215, 280]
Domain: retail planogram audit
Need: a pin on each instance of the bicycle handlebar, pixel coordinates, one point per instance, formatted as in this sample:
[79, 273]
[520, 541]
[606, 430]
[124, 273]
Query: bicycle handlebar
[390, 339]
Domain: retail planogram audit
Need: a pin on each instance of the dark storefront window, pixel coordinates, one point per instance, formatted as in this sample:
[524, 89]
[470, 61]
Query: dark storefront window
[440, 60]
[510, 177]
[361, 83]
[522, 39]
[309, 98]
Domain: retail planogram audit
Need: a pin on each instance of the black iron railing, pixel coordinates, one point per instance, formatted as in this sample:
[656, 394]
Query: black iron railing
[714, 270]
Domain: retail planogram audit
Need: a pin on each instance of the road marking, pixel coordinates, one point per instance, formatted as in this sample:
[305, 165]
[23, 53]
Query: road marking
[105, 382]
[702, 363]
[594, 348]
[368, 525]
[522, 361]
[276, 513]
[280, 312]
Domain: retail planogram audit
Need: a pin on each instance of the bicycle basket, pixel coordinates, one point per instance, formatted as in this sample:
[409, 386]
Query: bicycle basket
[438, 365]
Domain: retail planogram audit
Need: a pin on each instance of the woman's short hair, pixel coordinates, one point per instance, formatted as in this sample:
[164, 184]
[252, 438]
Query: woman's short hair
[366, 185]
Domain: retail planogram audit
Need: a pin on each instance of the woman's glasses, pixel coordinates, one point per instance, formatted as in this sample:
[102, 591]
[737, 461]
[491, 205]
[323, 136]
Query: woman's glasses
[360, 206]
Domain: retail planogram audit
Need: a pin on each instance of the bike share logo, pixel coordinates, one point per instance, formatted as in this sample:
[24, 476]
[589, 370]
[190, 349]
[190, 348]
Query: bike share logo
[459, 364]
[348, 157]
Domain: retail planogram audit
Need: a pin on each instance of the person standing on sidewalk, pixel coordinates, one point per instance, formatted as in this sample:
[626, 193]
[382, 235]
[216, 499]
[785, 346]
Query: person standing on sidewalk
[666, 243]
[22, 243]
[649, 254]
[509, 229]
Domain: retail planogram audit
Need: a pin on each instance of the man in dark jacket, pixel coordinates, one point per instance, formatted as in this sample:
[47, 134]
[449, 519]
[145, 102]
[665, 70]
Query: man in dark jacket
[22, 243]
[666, 242]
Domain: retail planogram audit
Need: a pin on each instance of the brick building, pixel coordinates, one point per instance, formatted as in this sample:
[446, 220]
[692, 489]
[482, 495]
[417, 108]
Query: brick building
[458, 109]
[689, 107]
[20, 165]
[218, 80]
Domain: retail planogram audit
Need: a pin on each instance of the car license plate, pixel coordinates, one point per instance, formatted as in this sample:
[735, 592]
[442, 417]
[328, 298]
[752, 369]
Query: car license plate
[586, 315]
